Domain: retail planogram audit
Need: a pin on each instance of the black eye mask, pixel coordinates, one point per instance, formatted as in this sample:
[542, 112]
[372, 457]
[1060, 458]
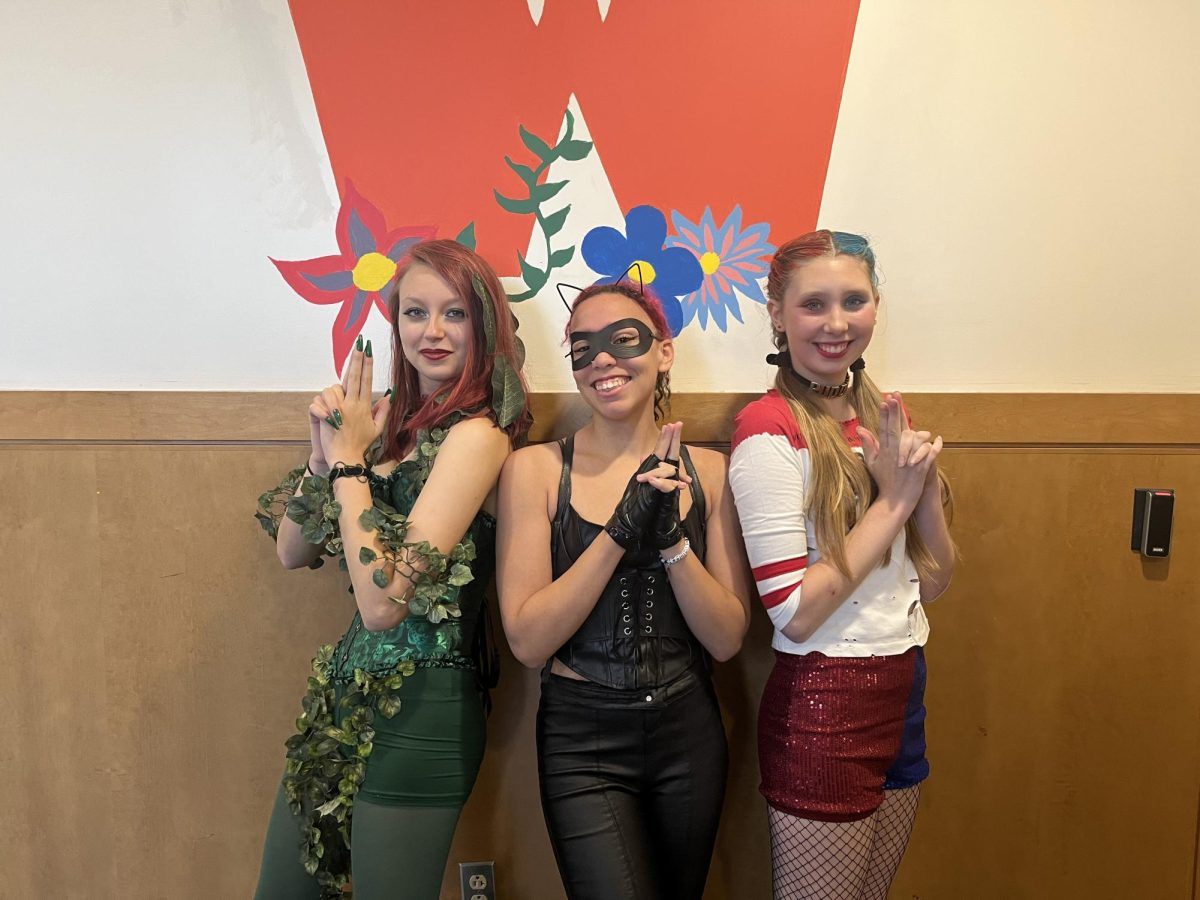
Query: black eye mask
[602, 342]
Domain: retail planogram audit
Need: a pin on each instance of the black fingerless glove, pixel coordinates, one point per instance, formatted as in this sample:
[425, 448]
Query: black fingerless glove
[667, 530]
[634, 515]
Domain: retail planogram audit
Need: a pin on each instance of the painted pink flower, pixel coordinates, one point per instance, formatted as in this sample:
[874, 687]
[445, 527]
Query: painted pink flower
[360, 275]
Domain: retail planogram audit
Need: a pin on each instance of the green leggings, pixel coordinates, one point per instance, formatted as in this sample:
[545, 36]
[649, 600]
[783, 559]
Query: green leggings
[420, 772]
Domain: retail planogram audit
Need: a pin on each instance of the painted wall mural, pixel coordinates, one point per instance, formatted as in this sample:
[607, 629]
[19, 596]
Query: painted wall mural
[567, 140]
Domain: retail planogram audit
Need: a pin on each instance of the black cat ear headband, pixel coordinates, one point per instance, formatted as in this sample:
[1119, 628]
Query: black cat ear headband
[634, 267]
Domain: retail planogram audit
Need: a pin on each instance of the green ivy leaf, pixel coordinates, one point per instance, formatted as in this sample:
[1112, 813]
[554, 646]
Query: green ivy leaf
[554, 222]
[389, 705]
[508, 400]
[521, 207]
[380, 578]
[543, 192]
[314, 531]
[536, 145]
[327, 808]
[489, 312]
[460, 575]
[366, 556]
[534, 277]
[466, 237]
[525, 173]
[560, 258]
[574, 150]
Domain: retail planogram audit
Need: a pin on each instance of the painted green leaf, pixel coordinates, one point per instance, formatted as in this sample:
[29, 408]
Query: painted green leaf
[560, 258]
[366, 556]
[537, 146]
[574, 150]
[554, 222]
[466, 237]
[543, 192]
[534, 277]
[380, 578]
[570, 129]
[525, 173]
[521, 207]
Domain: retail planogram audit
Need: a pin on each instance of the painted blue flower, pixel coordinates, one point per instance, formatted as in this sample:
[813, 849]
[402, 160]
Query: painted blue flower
[669, 272]
[732, 260]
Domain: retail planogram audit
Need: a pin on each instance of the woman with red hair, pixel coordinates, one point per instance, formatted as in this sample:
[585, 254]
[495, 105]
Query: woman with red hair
[624, 618]
[404, 491]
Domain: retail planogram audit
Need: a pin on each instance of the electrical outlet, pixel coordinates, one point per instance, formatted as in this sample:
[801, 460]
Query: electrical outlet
[478, 880]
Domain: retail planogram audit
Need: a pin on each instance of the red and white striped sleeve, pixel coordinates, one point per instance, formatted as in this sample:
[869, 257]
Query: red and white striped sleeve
[767, 467]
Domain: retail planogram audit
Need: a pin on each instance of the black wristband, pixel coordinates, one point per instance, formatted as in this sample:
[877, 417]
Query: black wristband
[341, 470]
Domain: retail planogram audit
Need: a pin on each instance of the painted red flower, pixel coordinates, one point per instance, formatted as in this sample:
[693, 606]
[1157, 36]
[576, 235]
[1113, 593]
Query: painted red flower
[360, 275]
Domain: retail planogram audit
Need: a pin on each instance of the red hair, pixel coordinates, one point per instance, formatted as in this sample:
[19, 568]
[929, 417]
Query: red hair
[472, 392]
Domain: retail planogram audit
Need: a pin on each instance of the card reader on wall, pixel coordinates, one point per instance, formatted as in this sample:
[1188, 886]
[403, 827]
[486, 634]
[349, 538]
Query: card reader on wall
[1153, 509]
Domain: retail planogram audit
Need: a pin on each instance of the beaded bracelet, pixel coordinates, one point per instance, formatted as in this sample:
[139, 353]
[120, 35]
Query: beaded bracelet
[687, 548]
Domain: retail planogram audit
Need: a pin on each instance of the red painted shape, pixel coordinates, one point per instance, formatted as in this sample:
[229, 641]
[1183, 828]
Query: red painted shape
[691, 103]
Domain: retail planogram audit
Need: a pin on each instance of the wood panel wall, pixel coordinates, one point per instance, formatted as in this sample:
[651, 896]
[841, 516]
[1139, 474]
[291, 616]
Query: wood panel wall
[156, 653]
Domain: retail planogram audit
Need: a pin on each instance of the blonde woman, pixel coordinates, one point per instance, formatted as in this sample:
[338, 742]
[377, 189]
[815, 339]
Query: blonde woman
[841, 508]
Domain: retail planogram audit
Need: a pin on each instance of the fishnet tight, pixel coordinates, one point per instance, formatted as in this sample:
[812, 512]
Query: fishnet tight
[857, 860]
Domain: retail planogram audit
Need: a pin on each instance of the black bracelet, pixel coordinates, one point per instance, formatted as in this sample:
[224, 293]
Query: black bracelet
[341, 470]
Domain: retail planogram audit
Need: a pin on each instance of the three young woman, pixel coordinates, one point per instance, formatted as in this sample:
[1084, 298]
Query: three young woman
[393, 722]
[622, 574]
[841, 509]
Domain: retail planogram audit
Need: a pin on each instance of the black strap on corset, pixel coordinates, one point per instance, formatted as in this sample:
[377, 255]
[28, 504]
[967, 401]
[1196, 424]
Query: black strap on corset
[635, 635]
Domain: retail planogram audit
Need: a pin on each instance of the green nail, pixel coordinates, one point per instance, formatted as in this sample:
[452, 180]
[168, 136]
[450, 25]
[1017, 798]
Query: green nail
[368, 348]
[388, 392]
[334, 424]
[337, 415]
[358, 344]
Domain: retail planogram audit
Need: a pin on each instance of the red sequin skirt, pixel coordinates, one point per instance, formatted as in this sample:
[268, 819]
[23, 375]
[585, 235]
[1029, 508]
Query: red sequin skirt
[829, 731]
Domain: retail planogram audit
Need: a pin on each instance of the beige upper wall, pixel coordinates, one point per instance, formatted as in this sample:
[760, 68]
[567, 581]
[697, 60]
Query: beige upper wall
[1027, 170]
[1029, 173]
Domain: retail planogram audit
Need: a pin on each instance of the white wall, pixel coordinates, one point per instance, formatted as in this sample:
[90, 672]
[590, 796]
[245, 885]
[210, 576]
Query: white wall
[1026, 169]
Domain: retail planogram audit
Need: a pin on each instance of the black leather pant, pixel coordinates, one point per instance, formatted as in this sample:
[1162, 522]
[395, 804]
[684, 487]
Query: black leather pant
[632, 784]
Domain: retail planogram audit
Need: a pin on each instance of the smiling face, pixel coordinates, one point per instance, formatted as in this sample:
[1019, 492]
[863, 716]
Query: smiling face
[828, 313]
[616, 386]
[434, 327]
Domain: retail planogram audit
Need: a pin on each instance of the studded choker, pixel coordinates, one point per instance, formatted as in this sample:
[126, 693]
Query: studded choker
[784, 359]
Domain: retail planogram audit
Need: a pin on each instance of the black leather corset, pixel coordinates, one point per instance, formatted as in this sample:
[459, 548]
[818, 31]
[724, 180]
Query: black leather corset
[635, 636]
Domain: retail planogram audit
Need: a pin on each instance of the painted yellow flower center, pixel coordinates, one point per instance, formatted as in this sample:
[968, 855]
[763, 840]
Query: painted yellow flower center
[647, 271]
[373, 271]
[710, 262]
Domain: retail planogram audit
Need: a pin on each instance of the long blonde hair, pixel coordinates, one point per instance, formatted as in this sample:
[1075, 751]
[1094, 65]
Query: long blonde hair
[840, 488]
